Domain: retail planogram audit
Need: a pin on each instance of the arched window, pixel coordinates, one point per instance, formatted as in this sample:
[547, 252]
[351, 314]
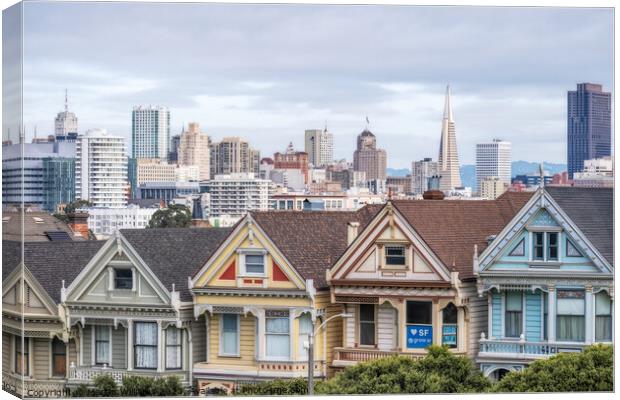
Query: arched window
[450, 326]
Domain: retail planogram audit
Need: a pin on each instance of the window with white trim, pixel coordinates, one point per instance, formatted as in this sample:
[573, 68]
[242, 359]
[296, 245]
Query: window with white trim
[513, 318]
[229, 327]
[602, 324]
[102, 344]
[570, 319]
[123, 278]
[305, 330]
[545, 246]
[22, 359]
[254, 264]
[173, 348]
[145, 345]
[450, 328]
[395, 255]
[367, 324]
[277, 334]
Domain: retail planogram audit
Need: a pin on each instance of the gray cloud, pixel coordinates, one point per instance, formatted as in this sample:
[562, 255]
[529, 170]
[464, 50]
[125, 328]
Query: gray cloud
[267, 72]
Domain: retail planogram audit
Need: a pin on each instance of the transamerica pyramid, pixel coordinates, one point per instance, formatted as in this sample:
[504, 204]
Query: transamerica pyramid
[448, 155]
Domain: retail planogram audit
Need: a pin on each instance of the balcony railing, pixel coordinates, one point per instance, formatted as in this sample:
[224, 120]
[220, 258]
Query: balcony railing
[88, 374]
[344, 356]
[29, 387]
[520, 348]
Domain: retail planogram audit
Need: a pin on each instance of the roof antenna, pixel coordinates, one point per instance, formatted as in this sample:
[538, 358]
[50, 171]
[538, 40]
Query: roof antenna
[367, 122]
[541, 171]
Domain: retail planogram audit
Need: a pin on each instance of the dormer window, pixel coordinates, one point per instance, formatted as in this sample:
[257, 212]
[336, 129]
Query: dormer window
[123, 278]
[545, 246]
[395, 255]
[254, 264]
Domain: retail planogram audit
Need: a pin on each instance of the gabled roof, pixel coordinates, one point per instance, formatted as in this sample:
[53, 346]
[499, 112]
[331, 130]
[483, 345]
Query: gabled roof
[312, 240]
[173, 254]
[451, 228]
[592, 210]
[36, 226]
[50, 262]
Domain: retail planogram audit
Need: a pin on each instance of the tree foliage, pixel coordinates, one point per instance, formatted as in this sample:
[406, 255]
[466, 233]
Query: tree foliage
[439, 372]
[282, 387]
[174, 216]
[589, 371]
[140, 386]
[71, 207]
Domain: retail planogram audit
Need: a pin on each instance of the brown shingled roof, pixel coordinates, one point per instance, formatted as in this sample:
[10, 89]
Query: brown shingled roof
[452, 227]
[312, 240]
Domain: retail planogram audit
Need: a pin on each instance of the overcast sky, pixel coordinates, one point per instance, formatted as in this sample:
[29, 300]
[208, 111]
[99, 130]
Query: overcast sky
[268, 72]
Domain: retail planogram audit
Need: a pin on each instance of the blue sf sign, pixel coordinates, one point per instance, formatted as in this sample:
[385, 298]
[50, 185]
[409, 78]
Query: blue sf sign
[419, 336]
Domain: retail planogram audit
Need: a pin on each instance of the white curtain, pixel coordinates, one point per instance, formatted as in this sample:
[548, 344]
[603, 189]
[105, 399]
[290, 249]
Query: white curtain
[513, 319]
[102, 344]
[277, 337]
[571, 322]
[305, 329]
[146, 345]
[603, 318]
[173, 347]
[230, 334]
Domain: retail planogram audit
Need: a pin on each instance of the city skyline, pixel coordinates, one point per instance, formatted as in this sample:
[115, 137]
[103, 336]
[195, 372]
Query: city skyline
[271, 88]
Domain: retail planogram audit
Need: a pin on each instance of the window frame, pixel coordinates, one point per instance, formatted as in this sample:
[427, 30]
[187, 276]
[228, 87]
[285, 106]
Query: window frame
[426, 303]
[136, 345]
[389, 265]
[176, 346]
[372, 323]
[109, 342]
[22, 355]
[117, 279]
[455, 324]
[303, 336]
[609, 338]
[237, 332]
[536, 246]
[519, 312]
[285, 315]
[243, 263]
[558, 315]
[54, 354]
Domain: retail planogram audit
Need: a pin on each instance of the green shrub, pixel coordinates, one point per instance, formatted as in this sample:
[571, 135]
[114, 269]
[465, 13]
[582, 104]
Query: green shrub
[141, 386]
[439, 371]
[105, 386]
[82, 391]
[589, 371]
[282, 387]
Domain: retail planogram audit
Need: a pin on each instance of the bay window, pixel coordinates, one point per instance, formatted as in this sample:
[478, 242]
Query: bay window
[59, 358]
[450, 326]
[602, 325]
[102, 344]
[570, 320]
[277, 334]
[229, 344]
[22, 363]
[513, 318]
[305, 330]
[367, 324]
[145, 345]
[173, 348]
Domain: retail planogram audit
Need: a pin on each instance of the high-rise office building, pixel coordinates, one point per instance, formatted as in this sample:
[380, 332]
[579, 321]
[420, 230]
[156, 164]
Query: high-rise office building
[421, 171]
[448, 161]
[150, 132]
[319, 144]
[101, 169]
[59, 181]
[173, 154]
[493, 159]
[368, 158]
[194, 150]
[233, 155]
[29, 182]
[66, 124]
[588, 125]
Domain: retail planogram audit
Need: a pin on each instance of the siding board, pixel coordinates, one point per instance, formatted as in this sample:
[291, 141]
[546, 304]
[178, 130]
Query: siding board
[119, 347]
[86, 344]
[41, 358]
[497, 315]
[199, 339]
[533, 316]
[386, 318]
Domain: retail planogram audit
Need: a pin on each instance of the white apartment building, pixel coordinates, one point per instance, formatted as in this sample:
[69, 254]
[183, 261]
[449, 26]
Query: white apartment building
[194, 150]
[493, 159]
[235, 194]
[156, 170]
[597, 172]
[319, 144]
[101, 169]
[104, 222]
[491, 187]
[150, 132]
[420, 172]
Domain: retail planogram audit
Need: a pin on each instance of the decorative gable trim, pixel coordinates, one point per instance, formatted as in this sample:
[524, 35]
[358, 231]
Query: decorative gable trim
[277, 274]
[541, 201]
[388, 218]
[120, 245]
[29, 279]
[231, 272]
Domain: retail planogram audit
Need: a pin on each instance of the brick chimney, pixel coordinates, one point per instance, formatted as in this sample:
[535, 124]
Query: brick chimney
[433, 195]
[78, 222]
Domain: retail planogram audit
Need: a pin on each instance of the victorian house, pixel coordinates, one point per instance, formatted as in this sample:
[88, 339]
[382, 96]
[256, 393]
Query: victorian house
[406, 279]
[263, 293]
[547, 279]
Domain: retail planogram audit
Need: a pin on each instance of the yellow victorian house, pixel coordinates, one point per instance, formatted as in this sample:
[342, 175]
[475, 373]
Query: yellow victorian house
[262, 294]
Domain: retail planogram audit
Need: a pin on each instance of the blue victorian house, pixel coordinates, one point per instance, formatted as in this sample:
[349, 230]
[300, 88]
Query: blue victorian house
[548, 279]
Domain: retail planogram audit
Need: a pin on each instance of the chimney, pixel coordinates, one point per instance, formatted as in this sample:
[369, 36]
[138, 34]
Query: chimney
[433, 195]
[352, 231]
[78, 222]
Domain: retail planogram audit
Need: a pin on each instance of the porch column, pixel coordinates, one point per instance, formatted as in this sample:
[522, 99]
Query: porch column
[129, 345]
[159, 347]
[551, 314]
[589, 315]
[260, 320]
[402, 331]
[490, 315]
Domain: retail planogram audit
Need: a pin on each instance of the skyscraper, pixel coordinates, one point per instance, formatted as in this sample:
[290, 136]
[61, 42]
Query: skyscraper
[493, 160]
[368, 158]
[65, 124]
[233, 155]
[59, 181]
[448, 161]
[194, 150]
[421, 171]
[588, 125]
[319, 144]
[150, 132]
[101, 169]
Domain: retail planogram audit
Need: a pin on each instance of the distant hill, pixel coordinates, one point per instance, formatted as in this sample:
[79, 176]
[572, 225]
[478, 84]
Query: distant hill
[468, 172]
